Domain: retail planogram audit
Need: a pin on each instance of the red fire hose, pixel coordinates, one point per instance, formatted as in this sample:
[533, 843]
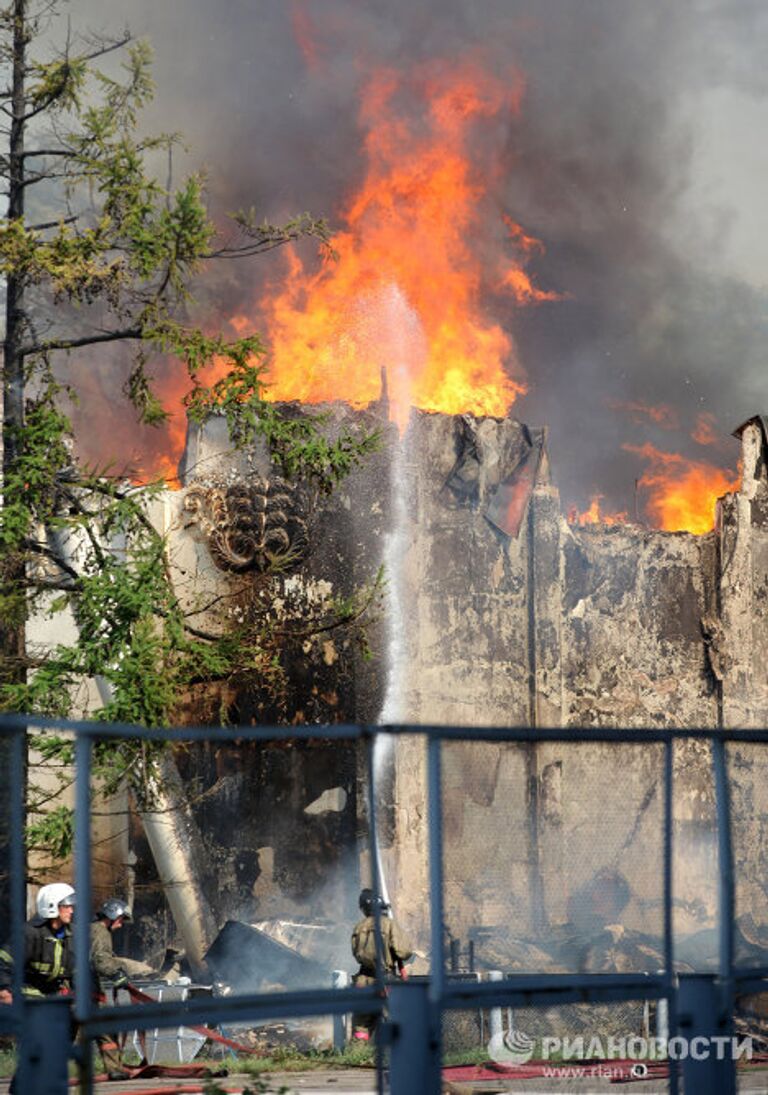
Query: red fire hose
[195, 1089]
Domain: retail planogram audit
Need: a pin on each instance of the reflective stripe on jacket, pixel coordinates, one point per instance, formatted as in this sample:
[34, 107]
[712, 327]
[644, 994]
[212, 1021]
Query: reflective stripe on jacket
[48, 960]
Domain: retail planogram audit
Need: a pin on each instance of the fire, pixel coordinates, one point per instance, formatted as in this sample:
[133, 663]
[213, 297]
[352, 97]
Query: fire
[705, 432]
[682, 492]
[594, 514]
[150, 454]
[304, 35]
[420, 251]
[413, 260]
[661, 415]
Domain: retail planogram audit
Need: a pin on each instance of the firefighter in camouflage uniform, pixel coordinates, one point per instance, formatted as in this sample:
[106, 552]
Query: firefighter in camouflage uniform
[107, 965]
[395, 952]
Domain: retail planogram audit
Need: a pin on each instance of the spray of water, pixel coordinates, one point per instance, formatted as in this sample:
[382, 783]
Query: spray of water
[402, 352]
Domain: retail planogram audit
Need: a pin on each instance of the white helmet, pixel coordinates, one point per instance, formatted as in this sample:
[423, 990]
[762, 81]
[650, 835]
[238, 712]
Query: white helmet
[50, 897]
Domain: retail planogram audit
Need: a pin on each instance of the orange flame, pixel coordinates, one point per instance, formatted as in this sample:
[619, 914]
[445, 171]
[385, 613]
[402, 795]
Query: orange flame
[594, 514]
[404, 294]
[108, 438]
[662, 415]
[305, 35]
[705, 431]
[683, 492]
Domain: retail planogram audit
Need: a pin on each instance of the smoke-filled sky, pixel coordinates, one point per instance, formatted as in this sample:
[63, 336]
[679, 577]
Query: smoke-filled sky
[638, 157]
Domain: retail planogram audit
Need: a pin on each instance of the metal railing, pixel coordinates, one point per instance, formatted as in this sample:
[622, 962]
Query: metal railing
[414, 1010]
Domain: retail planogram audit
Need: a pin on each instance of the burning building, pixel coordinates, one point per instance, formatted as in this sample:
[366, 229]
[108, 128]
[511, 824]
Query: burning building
[497, 612]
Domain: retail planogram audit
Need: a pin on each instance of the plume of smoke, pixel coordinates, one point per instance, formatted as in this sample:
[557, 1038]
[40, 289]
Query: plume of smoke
[614, 162]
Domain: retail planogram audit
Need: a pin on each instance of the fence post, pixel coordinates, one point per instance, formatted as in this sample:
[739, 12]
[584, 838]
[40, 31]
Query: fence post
[44, 1046]
[495, 1021]
[414, 1040]
[339, 980]
[704, 1044]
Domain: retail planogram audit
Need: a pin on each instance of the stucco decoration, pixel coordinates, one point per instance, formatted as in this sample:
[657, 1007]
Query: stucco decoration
[250, 524]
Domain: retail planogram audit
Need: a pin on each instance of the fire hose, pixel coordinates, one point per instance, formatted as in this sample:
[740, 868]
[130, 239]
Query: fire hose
[139, 997]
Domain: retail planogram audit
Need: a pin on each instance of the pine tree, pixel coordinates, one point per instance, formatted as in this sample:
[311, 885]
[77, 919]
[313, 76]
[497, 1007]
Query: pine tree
[114, 258]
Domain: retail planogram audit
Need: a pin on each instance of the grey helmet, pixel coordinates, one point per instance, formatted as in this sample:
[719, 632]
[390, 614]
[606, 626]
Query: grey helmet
[113, 908]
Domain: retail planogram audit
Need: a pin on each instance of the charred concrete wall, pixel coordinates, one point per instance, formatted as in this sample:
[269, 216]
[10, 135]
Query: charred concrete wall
[544, 625]
[508, 616]
[280, 823]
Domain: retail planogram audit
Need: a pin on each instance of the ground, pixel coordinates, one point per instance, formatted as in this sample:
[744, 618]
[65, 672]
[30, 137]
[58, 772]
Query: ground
[363, 1082]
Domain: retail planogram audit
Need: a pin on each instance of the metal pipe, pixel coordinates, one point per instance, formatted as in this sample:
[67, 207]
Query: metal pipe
[524, 990]
[339, 980]
[169, 826]
[495, 1021]
[414, 1057]
[377, 891]
[708, 1072]
[375, 864]
[174, 841]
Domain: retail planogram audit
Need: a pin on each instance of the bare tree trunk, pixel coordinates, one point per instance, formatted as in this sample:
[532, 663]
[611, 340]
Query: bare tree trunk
[13, 570]
[12, 644]
[13, 365]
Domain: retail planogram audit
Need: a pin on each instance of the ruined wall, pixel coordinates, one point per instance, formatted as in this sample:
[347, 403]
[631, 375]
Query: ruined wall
[508, 616]
[554, 625]
[279, 821]
[633, 649]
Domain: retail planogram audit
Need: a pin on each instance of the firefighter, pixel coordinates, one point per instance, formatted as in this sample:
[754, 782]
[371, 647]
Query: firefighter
[48, 957]
[106, 964]
[49, 964]
[395, 952]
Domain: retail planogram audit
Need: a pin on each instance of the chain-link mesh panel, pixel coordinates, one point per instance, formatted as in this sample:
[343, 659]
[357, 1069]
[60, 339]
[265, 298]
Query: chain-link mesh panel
[465, 1034]
[748, 772]
[579, 1024]
[568, 1045]
[750, 1020]
[575, 1024]
[553, 857]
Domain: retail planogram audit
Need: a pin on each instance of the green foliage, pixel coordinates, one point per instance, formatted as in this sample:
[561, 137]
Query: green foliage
[7, 1062]
[298, 443]
[288, 1059]
[118, 262]
[53, 830]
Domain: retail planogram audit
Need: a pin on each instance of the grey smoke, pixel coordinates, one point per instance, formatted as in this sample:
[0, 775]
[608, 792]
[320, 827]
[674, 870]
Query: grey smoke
[638, 159]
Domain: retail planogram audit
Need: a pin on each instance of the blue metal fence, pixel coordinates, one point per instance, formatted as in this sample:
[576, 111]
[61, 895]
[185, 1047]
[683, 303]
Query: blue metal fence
[414, 1011]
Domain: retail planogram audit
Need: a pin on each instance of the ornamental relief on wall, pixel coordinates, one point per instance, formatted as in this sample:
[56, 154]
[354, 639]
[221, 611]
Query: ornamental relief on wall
[251, 524]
